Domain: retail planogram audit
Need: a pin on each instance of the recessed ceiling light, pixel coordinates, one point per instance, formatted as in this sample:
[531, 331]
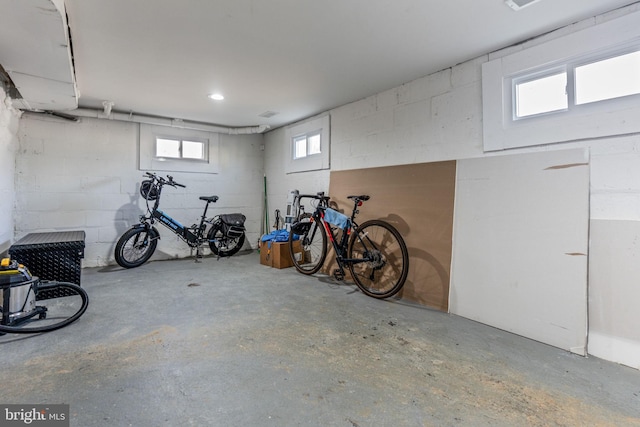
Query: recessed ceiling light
[216, 97]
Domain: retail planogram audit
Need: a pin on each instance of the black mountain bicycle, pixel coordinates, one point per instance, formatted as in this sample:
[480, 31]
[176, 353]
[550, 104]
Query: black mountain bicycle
[374, 252]
[225, 236]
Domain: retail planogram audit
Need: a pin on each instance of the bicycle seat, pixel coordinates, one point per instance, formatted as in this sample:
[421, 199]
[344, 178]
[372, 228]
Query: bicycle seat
[364, 197]
[209, 198]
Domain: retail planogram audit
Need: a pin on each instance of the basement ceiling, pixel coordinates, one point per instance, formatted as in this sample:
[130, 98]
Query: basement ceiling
[275, 61]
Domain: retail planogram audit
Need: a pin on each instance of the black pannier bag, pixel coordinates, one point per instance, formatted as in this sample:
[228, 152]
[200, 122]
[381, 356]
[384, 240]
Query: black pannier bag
[233, 224]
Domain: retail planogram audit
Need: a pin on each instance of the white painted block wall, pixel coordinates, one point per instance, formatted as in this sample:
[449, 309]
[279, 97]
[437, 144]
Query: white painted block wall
[84, 176]
[439, 117]
[8, 144]
[279, 183]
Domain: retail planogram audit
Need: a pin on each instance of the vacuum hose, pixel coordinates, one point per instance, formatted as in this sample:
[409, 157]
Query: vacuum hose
[19, 292]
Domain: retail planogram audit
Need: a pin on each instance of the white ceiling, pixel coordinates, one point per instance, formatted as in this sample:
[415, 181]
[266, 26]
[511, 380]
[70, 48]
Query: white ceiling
[294, 57]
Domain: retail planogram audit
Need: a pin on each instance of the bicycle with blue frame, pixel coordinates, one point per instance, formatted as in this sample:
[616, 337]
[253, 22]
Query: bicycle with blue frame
[374, 251]
[225, 235]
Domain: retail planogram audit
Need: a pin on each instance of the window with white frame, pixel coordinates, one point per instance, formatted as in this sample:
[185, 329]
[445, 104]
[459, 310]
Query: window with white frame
[175, 148]
[539, 94]
[308, 145]
[609, 78]
[557, 90]
[580, 85]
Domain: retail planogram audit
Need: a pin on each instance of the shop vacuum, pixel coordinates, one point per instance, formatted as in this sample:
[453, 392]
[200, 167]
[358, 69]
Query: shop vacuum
[20, 293]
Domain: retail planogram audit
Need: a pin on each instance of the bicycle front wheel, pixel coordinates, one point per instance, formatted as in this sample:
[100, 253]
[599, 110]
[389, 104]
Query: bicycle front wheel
[135, 247]
[382, 259]
[314, 248]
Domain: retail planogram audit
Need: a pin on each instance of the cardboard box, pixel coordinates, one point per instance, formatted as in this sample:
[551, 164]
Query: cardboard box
[265, 257]
[277, 254]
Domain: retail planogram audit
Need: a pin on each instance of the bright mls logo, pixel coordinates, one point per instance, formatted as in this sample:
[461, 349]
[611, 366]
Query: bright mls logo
[34, 415]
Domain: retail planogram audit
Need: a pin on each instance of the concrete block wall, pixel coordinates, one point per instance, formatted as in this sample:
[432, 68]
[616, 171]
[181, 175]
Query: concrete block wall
[9, 118]
[434, 118]
[439, 117]
[84, 176]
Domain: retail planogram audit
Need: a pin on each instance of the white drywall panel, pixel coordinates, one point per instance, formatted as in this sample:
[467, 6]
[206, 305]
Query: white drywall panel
[614, 292]
[520, 245]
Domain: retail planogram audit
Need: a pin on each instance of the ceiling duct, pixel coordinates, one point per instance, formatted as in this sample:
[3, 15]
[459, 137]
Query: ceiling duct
[35, 52]
[163, 121]
[519, 4]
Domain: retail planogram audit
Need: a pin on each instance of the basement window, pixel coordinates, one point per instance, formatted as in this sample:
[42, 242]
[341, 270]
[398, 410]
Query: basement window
[307, 144]
[582, 85]
[173, 149]
[595, 81]
[540, 95]
[186, 149]
[608, 79]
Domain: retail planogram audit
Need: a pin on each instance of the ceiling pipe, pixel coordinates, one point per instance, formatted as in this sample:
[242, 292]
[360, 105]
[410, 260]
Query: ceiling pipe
[108, 105]
[162, 121]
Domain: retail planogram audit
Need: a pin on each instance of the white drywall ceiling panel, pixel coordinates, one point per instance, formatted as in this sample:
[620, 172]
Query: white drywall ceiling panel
[520, 245]
[35, 51]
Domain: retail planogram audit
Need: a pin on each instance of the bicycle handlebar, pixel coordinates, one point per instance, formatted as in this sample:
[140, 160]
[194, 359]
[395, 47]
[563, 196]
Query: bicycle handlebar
[162, 181]
[319, 196]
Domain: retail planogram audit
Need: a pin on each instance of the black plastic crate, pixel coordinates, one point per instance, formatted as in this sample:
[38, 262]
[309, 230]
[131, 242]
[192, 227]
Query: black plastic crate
[51, 256]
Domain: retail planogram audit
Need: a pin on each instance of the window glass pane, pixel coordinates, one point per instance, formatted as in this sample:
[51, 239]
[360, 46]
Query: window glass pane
[611, 78]
[541, 95]
[314, 144]
[167, 148]
[299, 147]
[192, 150]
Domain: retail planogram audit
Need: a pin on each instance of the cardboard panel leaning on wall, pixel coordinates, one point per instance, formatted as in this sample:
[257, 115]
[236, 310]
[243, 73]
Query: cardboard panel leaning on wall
[417, 200]
[520, 246]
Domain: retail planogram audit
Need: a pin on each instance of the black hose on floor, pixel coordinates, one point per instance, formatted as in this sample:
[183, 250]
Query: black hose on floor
[49, 290]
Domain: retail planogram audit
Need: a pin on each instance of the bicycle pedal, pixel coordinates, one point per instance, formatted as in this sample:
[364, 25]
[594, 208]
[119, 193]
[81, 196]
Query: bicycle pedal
[338, 274]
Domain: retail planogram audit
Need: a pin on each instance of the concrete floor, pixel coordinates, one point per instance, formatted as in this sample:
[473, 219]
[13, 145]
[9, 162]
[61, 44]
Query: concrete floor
[232, 343]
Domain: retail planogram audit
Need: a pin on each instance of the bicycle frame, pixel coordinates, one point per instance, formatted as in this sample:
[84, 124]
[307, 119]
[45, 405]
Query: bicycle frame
[193, 236]
[186, 234]
[339, 247]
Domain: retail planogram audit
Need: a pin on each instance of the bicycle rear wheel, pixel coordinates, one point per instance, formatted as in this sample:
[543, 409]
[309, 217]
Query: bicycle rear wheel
[385, 259]
[314, 248]
[221, 244]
